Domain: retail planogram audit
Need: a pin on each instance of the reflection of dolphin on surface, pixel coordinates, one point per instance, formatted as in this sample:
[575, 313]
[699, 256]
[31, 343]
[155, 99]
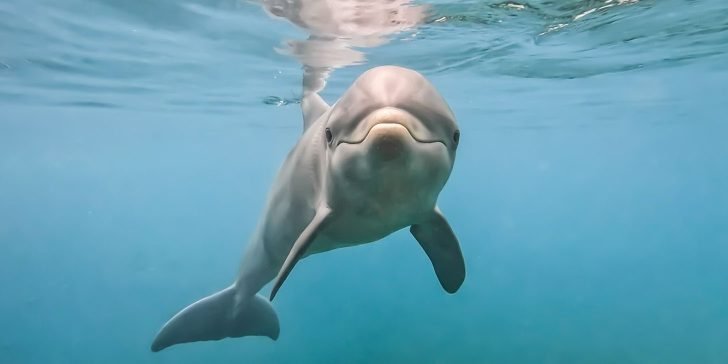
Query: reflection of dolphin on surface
[364, 22]
[371, 164]
[336, 27]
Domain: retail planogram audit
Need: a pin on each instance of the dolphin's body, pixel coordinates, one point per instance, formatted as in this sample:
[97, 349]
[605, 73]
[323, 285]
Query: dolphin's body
[371, 164]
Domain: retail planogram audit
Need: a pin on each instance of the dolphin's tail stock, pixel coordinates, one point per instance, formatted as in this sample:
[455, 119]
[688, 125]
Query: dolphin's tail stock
[218, 316]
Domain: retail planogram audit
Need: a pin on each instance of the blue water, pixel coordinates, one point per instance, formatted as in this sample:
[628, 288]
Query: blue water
[138, 140]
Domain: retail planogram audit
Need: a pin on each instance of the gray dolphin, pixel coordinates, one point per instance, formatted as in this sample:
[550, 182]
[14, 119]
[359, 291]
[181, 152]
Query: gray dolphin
[371, 164]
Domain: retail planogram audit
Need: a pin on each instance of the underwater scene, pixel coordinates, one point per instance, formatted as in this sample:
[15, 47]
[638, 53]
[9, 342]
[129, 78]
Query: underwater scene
[364, 181]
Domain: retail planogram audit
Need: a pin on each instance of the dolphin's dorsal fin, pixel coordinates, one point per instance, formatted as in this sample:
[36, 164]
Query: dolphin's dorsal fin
[312, 104]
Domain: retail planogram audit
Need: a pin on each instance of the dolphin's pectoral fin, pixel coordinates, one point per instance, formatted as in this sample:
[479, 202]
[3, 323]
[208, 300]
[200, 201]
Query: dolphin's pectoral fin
[441, 245]
[323, 215]
[218, 316]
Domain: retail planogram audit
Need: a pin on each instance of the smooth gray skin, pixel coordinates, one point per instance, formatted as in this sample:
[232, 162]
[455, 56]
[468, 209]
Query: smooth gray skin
[373, 163]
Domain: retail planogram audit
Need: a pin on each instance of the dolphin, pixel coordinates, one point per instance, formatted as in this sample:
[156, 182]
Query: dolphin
[371, 164]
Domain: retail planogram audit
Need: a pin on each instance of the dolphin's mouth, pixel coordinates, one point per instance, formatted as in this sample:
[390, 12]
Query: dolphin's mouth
[369, 132]
[390, 121]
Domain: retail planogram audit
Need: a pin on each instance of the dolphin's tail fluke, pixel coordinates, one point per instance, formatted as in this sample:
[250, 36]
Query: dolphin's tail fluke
[219, 316]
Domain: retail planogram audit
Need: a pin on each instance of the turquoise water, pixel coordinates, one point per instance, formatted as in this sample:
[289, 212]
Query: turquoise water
[590, 193]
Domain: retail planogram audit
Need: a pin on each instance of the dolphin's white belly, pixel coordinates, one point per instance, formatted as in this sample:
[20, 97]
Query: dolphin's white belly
[365, 220]
[366, 230]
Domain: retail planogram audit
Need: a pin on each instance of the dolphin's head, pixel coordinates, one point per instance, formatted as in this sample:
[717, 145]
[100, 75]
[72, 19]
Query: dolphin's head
[391, 136]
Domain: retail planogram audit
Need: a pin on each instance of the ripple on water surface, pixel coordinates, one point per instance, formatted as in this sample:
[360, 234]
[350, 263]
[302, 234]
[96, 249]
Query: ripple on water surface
[179, 55]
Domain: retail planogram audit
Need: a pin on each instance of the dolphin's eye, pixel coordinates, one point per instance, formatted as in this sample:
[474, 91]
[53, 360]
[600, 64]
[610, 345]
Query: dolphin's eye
[329, 136]
[456, 136]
